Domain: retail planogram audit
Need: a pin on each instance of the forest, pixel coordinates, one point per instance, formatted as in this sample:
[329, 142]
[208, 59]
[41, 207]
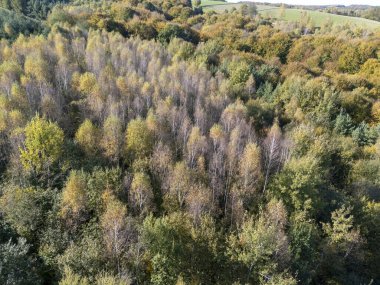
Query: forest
[150, 142]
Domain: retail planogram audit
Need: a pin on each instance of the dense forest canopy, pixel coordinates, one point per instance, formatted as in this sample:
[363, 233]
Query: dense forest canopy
[148, 142]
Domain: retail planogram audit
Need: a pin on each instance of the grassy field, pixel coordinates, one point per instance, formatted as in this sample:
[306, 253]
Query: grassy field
[318, 18]
[206, 3]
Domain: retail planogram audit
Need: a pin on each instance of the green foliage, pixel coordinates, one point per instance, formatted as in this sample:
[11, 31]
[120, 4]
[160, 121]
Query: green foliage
[87, 137]
[24, 209]
[74, 196]
[208, 53]
[181, 50]
[112, 139]
[175, 31]
[101, 181]
[12, 24]
[343, 123]
[313, 100]
[177, 146]
[353, 57]
[37, 9]
[141, 192]
[143, 30]
[176, 249]
[16, 266]
[281, 279]
[304, 239]
[239, 72]
[371, 234]
[167, 240]
[342, 234]
[139, 142]
[71, 278]
[245, 246]
[343, 246]
[300, 184]
[364, 135]
[43, 144]
[84, 257]
[261, 245]
[357, 103]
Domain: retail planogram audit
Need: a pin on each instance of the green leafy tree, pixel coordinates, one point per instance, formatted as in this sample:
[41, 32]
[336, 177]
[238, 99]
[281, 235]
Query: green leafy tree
[175, 248]
[239, 72]
[343, 123]
[17, 266]
[179, 186]
[371, 233]
[74, 196]
[250, 168]
[141, 193]
[114, 227]
[43, 145]
[364, 135]
[139, 139]
[343, 248]
[24, 209]
[85, 257]
[299, 184]
[70, 278]
[112, 138]
[304, 238]
[261, 245]
[167, 240]
[344, 237]
[171, 31]
[196, 3]
[103, 182]
[248, 9]
[87, 136]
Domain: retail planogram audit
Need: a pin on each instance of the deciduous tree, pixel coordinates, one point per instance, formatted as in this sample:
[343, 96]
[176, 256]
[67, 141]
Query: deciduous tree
[139, 140]
[141, 194]
[43, 145]
[87, 136]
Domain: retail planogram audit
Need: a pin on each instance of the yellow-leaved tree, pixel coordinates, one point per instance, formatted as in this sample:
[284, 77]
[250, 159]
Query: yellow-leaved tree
[139, 139]
[87, 136]
[74, 196]
[42, 146]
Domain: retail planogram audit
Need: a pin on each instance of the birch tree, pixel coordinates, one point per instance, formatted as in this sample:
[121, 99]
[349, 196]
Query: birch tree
[274, 153]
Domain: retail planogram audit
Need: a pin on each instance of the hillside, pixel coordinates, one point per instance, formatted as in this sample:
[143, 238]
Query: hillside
[293, 15]
[148, 142]
[12, 23]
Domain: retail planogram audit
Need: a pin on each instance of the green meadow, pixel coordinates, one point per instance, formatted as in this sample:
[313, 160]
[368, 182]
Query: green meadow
[317, 18]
